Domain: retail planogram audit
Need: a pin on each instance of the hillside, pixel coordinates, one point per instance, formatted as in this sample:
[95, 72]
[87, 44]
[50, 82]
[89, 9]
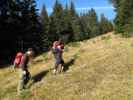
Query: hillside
[96, 69]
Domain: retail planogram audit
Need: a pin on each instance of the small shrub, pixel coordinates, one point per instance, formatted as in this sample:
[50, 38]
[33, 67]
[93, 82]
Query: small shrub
[126, 34]
[106, 37]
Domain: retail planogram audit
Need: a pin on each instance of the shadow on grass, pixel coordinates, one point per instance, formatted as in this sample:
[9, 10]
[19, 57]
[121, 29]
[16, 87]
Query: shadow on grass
[2, 66]
[38, 77]
[68, 64]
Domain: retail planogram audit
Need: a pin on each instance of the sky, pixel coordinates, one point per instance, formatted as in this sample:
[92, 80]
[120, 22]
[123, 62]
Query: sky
[101, 6]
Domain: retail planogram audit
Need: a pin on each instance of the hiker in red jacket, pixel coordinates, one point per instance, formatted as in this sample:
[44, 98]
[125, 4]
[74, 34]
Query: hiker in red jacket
[57, 49]
[23, 68]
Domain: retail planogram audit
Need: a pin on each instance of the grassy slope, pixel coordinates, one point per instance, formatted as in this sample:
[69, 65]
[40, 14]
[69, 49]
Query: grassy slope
[102, 70]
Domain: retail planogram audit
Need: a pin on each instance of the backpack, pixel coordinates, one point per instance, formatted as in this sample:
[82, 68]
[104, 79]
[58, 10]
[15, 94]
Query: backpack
[18, 59]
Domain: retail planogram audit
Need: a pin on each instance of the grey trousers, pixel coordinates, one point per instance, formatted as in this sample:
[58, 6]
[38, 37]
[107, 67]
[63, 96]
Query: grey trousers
[24, 77]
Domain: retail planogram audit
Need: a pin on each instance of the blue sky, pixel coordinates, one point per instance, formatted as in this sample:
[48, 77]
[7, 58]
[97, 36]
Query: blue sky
[101, 6]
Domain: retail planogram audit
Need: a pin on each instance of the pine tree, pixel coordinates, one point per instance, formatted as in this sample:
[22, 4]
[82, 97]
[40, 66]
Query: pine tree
[67, 31]
[45, 20]
[72, 10]
[7, 37]
[124, 16]
[105, 25]
[93, 25]
[19, 26]
[57, 17]
[45, 27]
[84, 29]
[29, 31]
[75, 22]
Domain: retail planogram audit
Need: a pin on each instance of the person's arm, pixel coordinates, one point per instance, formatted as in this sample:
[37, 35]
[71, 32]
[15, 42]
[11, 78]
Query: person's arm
[30, 61]
[22, 63]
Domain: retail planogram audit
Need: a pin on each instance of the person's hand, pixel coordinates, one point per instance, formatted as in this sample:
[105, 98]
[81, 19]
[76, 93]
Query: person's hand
[24, 72]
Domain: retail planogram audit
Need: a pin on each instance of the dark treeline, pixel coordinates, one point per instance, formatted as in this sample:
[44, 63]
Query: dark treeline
[124, 17]
[67, 24]
[21, 26]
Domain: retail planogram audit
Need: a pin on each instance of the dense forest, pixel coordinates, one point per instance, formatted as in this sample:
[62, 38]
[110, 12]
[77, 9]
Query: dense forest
[124, 16]
[22, 26]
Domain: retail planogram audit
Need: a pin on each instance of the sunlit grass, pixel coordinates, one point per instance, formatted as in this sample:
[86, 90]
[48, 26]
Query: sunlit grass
[101, 71]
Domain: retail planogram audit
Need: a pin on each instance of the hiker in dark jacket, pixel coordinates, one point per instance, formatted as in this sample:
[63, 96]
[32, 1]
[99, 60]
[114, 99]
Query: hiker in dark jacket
[23, 68]
[57, 48]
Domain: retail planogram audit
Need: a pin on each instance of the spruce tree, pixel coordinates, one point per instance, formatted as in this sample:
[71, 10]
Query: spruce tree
[123, 20]
[56, 20]
[105, 25]
[67, 31]
[45, 27]
[93, 24]
[75, 22]
[29, 31]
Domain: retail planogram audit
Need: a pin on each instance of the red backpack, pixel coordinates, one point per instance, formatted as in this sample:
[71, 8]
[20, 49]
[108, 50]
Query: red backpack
[18, 59]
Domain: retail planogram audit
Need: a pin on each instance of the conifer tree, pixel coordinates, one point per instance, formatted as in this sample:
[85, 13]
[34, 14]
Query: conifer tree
[45, 27]
[105, 25]
[93, 24]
